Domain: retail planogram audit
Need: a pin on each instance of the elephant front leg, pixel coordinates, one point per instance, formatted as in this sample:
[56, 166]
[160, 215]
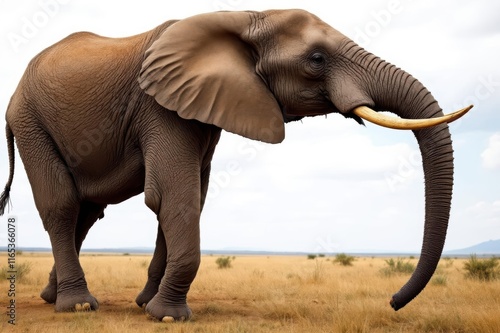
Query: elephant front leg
[179, 221]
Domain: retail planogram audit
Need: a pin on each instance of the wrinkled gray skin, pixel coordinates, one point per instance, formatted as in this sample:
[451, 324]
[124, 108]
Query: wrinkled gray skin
[99, 120]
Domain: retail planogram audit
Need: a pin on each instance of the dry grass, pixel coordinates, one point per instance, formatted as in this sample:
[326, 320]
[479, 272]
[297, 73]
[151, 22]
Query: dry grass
[265, 294]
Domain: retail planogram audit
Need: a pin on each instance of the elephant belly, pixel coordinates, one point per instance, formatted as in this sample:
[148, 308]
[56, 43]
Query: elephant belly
[113, 185]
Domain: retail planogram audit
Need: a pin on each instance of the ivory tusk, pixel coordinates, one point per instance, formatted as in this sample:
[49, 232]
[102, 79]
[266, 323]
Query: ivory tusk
[406, 124]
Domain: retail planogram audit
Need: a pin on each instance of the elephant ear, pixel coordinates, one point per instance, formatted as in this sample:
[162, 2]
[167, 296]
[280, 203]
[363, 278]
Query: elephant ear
[202, 68]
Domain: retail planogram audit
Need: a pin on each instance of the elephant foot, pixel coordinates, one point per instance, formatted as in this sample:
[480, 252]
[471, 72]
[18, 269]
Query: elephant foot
[146, 295]
[167, 313]
[69, 302]
[49, 293]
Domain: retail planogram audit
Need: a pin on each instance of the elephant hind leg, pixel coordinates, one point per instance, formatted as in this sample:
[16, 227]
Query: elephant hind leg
[58, 203]
[156, 271]
[89, 213]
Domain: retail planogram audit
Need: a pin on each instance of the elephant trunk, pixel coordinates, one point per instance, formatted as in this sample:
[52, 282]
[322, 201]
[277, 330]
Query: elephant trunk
[389, 88]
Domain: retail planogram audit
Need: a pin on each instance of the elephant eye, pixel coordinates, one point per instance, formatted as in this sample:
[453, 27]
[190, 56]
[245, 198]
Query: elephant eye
[317, 60]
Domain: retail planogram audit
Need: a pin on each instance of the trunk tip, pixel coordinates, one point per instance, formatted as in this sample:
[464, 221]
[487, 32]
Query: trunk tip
[395, 305]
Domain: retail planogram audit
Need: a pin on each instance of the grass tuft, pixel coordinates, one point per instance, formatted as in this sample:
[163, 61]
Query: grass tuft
[439, 280]
[318, 274]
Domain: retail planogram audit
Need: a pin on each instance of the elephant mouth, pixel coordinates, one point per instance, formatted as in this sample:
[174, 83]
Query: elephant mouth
[290, 118]
[288, 115]
[291, 114]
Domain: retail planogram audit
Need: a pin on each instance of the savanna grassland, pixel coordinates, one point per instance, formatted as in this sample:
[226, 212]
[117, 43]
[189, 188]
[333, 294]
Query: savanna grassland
[263, 294]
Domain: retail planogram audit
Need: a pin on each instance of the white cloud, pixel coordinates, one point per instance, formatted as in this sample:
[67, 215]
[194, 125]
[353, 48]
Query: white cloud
[491, 155]
[490, 210]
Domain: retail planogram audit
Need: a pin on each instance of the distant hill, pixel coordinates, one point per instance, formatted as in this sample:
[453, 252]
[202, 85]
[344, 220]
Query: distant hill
[489, 247]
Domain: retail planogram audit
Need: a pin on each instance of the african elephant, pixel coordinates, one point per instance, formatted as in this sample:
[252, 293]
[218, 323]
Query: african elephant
[98, 120]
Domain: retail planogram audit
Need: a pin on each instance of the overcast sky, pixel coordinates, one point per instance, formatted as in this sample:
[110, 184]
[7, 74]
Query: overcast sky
[332, 185]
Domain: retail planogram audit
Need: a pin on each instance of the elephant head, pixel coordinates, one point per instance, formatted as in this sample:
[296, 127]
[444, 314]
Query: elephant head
[250, 72]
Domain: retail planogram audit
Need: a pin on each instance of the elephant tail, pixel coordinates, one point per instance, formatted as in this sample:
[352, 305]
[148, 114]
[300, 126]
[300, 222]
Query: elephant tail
[4, 197]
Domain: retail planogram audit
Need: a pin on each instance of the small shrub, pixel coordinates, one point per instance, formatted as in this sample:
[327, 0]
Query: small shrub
[344, 259]
[224, 262]
[3, 273]
[126, 254]
[398, 266]
[311, 256]
[321, 255]
[22, 270]
[482, 269]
